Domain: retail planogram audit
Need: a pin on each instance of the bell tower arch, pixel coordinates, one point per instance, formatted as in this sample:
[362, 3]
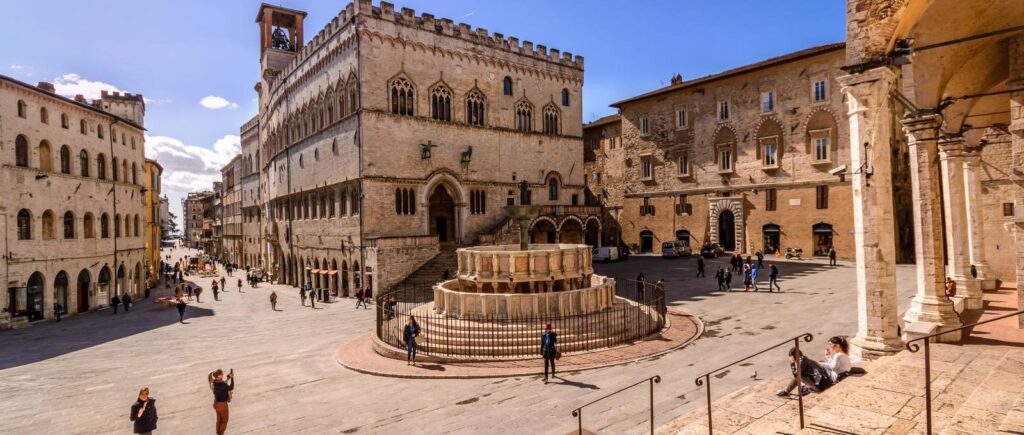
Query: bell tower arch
[280, 36]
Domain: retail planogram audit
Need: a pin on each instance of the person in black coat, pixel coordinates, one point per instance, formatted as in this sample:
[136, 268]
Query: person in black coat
[548, 351]
[127, 302]
[143, 413]
[115, 302]
[181, 310]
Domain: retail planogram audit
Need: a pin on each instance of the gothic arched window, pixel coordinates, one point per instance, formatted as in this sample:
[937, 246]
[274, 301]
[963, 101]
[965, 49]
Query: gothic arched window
[475, 108]
[551, 120]
[565, 97]
[83, 162]
[65, 160]
[441, 103]
[524, 116]
[403, 97]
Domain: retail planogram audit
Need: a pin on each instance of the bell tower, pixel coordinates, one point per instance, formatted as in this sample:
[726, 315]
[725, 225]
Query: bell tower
[280, 37]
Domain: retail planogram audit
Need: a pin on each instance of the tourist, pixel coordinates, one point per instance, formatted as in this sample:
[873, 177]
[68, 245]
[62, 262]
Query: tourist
[216, 291]
[750, 261]
[700, 266]
[773, 277]
[223, 286]
[239, 285]
[302, 295]
[181, 310]
[548, 351]
[273, 300]
[143, 413]
[746, 277]
[753, 276]
[127, 302]
[760, 259]
[720, 277]
[412, 330]
[115, 302]
[737, 263]
[57, 310]
[728, 280]
[359, 298]
[312, 299]
[222, 392]
[812, 375]
[447, 275]
[640, 286]
[368, 296]
[837, 362]
[660, 284]
[197, 291]
[950, 287]
[831, 256]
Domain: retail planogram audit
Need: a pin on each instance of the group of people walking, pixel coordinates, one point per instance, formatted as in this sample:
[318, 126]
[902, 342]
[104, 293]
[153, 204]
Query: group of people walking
[749, 269]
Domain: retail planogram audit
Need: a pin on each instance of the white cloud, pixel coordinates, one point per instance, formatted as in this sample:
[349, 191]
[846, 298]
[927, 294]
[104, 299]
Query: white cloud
[16, 66]
[72, 84]
[214, 102]
[24, 70]
[189, 168]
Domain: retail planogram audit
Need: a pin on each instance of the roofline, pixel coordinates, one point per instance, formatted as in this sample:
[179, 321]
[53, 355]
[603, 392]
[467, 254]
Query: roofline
[604, 120]
[263, 6]
[69, 100]
[767, 63]
[156, 163]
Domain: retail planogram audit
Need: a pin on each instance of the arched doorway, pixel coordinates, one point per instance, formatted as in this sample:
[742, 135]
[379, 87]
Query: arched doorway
[822, 233]
[34, 297]
[333, 276]
[60, 291]
[83, 290]
[544, 231]
[570, 232]
[772, 238]
[119, 283]
[592, 235]
[683, 236]
[137, 281]
[727, 230]
[103, 284]
[344, 278]
[646, 242]
[356, 277]
[442, 214]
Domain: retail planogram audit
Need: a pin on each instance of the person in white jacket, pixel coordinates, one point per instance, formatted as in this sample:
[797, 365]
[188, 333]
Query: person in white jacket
[837, 363]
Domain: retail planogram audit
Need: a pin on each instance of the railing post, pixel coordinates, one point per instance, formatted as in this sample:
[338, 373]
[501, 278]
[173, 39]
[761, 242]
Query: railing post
[651, 382]
[579, 421]
[711, 424]
[799, 381]
[928, 386]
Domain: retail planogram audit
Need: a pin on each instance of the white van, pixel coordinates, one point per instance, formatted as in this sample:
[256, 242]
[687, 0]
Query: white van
[675, 248]
[606, 253]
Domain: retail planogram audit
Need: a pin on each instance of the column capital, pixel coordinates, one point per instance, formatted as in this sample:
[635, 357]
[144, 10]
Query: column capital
[922, 128]
[880, 74]
[952, 146]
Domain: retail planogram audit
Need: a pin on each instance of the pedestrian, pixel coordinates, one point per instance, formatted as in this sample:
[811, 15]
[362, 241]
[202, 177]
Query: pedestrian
[831, 256]
[302, 295]
[447, 275]
[746, 277]
[312, 299]
[700, 267]
[753, 276]
[216, 291]
[188, 291]
[640, 286]
[239, 285]
[115, 302]
[181, 310]
[720, 277]
[58, 309]
[143, 413]
[773, 277]
[222, 392]
[273, 300]
[223, 287]
[198, 291]
[728, 280]
[660, 284]
[750, 261]
[127, 302]
[812, 375]
[367, 297]
[412, 330]
[548, 351]
[760, 259]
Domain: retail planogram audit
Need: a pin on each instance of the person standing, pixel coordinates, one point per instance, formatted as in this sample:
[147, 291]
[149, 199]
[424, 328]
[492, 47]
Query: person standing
[115, 302]
[760, 259]
[239, 285]
[143, 413]
[773, 277]
[127, 302]
[831, 256]
[720, 277]
[312, 299]
[273, 300]
[197, 291]
[181, 310]
[548, 351]
[753, 276]
[58, 309]
[359, 298]
[188, 291]
[746, 277]
[222, 392]
[216, 291]
[412, 330]
[660, 284]
[728, 280]
[302, 295]
[640, 286]
[700, 266]
[223, 286]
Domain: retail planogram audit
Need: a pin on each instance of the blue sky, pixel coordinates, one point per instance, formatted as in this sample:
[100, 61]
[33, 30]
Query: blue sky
[178, 53]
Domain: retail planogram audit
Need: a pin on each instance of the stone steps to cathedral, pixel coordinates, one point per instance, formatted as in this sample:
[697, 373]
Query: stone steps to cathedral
[433, 270]
[975, 390]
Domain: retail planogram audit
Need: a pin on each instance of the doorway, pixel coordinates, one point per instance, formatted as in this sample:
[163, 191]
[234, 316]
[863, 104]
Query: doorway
[727, 230]
[83, 291]
[60, 291]
[646, 242]
[442, 214]
[772, 238]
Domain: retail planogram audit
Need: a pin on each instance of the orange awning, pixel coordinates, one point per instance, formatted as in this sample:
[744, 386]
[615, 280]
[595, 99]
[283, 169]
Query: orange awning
[314, 271]
[332, 272]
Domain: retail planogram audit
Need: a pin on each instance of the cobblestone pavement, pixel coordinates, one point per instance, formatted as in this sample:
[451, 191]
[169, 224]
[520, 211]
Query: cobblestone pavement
[81, 375]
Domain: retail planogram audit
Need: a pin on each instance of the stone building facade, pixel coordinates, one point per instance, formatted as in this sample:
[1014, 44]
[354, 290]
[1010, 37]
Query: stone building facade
[751, 158]
[153, 228]
[72, 203]
[253, 246]
[197, 209]
[604, 172]
[393, 135]
[231, 212]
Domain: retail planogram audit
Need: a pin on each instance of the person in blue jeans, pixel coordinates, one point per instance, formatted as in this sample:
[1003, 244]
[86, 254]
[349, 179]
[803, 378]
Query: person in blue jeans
[773, 277]
[547, 350]
[753, 276]
[412, 330]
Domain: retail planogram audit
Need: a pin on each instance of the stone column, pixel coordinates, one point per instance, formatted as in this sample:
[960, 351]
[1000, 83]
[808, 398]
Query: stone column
[870, 118]
[1016, 81]
[930, 306]
[975, 232]
[951, 157]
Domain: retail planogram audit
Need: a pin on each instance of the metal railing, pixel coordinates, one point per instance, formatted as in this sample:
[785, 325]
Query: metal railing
[914, 347]
[639, 312]
[578, 412]
[705, 379]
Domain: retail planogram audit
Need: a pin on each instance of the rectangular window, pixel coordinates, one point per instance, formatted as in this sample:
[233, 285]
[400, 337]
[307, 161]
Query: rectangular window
[684, 165]
[575, 199]
[680, 118]
[767, 101]
[1008, 209]
[684, 207]
[770, 198]
[645, 168]
[645, 126]
[821, 149]
[723, 110]
[646, 209]
[771, 155]
[822, 197]
[511, 200]
[820, 90]
[725, 160]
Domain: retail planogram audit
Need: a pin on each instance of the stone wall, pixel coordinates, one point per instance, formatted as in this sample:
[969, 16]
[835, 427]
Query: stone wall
[394, 263]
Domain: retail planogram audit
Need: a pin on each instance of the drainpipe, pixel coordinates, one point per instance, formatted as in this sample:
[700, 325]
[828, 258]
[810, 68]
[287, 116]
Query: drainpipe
[113, 184]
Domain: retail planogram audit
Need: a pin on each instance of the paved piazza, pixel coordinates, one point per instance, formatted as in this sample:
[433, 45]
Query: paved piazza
[81, 375]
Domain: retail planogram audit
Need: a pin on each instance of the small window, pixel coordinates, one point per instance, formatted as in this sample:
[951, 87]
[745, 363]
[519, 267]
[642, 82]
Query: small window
[684, 207]
[680, 118]
[83, 162]
[767, 101]
[65, 122]
[770, 198]
[405, 201]
[83, 127]
[69, 225]
[302, 164]
[1008, 209]
[821, 197]
[22, 109]
[478, 202]
[565, 97]
[99, 131]
[645, 126]
[771, 154]
[725, 159]
[507, 85]
[646, 169]
[44, 115]
[316, 155]
[684, 164]
[646, 209]
[821, 149]
[65, 160]
[104, 226]
[113, 135]
[723, 110]
[820, 91]
[21, 151]
[553, 189]
[24, 225]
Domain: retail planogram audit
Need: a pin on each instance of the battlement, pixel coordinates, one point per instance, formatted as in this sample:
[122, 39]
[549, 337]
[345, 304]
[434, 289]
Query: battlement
[104, 95]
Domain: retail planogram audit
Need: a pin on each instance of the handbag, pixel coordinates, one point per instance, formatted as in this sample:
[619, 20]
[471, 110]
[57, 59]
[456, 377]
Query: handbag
[558, 354]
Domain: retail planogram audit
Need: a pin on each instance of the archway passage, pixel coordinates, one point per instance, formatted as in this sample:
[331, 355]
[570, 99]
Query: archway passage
[442, 214]
[83, 291]
[646, 242]
[543, 232]
[592, 235]
[683, 236]
[570, 232]
[727, 230]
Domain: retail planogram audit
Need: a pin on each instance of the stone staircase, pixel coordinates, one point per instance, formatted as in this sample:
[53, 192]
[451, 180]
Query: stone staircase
[975, 390]
[432, 271]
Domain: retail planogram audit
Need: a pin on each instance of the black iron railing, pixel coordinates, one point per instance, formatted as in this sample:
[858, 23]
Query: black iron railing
[639, 312]
[914, 347]
[656, 379]
[705, 379]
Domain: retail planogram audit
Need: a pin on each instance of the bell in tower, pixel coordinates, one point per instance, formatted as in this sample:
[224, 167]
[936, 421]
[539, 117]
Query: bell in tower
[280, 37]
[279, 40]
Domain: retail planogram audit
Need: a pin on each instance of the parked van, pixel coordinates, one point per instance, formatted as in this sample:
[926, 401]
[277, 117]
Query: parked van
[675, 248]
[606, 253]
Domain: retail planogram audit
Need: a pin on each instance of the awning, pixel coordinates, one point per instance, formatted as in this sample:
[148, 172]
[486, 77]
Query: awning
[332, 272]
[314, 271]
[822, 231]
